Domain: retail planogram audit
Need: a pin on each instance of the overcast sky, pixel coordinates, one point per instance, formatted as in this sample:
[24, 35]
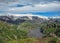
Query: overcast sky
[41, 7]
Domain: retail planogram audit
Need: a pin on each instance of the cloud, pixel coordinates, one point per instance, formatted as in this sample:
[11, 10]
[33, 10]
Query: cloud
[17, 6]
[28, 1]
[54, 6]
[8, 1]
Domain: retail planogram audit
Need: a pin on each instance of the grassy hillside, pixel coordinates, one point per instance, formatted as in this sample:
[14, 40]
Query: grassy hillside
[11, 33]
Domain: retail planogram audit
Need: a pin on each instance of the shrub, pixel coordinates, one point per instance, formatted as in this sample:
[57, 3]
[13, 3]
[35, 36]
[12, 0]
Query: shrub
[53, 40]
[27, 40]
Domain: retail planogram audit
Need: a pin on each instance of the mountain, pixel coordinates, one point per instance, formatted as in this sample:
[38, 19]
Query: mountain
[19, 18]
[30, 16]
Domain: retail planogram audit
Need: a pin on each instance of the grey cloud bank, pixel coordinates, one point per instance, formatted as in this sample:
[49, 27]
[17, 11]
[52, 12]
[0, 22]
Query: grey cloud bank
[29, 5]
[28, 1]
[54, 6]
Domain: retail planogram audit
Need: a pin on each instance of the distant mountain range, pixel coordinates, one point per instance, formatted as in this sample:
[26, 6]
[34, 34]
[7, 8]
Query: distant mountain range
[19, 18]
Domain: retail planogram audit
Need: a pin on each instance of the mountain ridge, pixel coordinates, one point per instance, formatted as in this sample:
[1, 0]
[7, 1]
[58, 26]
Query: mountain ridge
[16, 19]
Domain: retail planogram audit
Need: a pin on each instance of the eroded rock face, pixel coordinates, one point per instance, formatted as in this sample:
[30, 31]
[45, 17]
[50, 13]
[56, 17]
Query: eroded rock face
[35, 33]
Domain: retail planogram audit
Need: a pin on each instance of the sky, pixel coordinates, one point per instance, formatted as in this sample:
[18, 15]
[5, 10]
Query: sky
[36, 7]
